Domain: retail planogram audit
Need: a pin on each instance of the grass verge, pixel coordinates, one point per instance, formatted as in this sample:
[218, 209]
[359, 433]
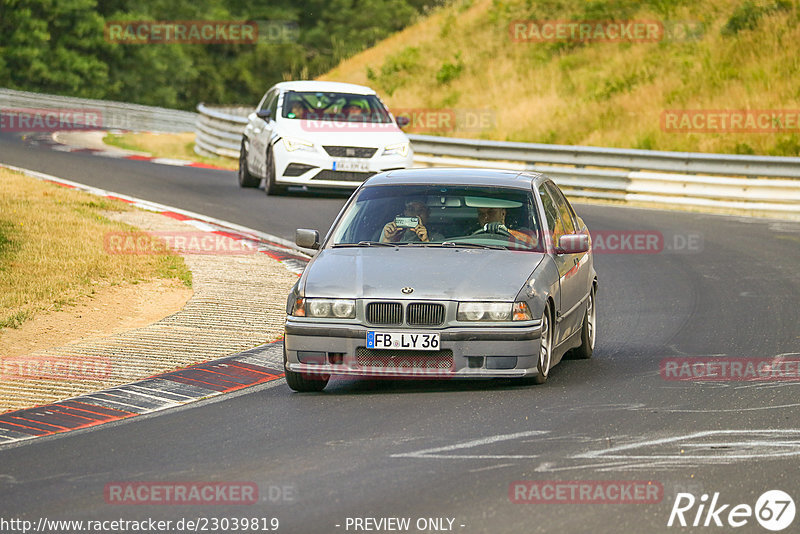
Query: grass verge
[166, 145]
[52, 249]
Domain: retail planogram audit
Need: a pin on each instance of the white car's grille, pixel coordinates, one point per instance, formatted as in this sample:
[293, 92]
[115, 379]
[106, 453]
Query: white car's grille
[350, 151]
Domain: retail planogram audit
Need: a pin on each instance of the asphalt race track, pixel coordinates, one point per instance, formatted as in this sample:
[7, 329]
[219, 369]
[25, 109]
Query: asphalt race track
[453, 449]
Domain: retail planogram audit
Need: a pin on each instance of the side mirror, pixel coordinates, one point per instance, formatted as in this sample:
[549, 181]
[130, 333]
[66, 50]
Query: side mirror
[305, 238]
[263, 114]
[403, 121]
[573, 244]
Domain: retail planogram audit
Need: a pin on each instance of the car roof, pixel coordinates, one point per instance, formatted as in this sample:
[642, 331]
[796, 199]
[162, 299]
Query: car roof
[325, 87]
[457, 176]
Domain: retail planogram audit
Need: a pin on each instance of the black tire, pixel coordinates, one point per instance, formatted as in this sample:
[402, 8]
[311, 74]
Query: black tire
[588, 330]
[245, 178]
[545, 359]
[306, 383]
[270, 187]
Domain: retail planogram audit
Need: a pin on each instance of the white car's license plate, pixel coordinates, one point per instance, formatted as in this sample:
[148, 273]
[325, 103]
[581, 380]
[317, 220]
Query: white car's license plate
[350, 165]
[402, 340]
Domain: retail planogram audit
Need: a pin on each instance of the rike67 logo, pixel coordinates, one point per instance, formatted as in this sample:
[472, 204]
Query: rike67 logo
[774, 510]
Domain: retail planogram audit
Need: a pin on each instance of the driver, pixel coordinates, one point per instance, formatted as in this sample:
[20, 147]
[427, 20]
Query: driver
[392, 233]
[493, 221]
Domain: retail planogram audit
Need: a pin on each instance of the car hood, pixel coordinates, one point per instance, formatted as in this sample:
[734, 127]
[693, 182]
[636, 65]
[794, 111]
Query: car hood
[435, 273]
[343, 134]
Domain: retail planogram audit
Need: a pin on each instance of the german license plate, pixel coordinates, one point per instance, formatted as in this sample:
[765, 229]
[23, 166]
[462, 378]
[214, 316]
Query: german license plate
[402, 340]
[351, 165]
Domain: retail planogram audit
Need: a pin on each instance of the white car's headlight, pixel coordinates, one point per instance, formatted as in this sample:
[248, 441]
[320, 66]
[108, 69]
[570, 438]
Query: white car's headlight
[399, 148]
[493, 311]
[330, 308]
[293, 144]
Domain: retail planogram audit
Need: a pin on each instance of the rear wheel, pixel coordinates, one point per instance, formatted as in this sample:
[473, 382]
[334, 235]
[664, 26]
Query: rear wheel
[545, 348]
[588, 331]
[245, 178]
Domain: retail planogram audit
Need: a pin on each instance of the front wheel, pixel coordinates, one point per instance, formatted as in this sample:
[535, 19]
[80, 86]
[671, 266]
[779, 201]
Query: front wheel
[270, 187]
[545, 348]
[304, 383]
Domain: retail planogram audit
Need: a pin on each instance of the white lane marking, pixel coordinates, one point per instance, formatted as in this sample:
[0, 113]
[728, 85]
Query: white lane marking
[753, 409]
[200, 225]
[489, 468]
[435, 452]
[620, 451]
[171, 161]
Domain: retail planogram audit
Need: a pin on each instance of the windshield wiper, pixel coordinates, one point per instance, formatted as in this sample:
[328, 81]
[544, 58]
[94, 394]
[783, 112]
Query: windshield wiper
[472, 245]
[368, 244]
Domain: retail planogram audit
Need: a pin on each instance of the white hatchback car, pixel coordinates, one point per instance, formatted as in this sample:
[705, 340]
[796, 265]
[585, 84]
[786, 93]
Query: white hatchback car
[323, 134]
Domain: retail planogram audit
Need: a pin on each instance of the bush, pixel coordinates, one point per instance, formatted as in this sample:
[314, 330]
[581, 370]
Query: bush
[748, 14]
[450, 71]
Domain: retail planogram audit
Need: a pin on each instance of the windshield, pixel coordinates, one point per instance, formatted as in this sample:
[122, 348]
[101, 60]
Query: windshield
[433, 215]
[344, 107]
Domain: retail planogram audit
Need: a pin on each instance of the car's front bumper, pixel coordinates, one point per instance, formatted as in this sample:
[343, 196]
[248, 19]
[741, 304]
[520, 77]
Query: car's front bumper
[323, 169]
[335, 349]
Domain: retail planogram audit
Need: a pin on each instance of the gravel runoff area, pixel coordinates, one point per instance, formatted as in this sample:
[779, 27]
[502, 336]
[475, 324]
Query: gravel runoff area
[238, 303]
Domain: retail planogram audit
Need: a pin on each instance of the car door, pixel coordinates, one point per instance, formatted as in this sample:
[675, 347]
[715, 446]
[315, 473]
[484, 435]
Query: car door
[258, 131]
[560, 222]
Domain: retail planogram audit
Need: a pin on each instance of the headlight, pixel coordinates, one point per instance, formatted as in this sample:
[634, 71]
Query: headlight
[297, 144]
[331, 308]
[399, 148]
[484, 311]
[493, 311]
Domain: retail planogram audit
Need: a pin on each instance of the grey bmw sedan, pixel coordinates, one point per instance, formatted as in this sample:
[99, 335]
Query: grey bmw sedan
[444, 273]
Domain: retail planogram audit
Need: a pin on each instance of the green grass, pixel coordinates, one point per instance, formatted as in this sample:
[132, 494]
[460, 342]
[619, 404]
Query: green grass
[716, 54]
[52, 249]
[165, 145]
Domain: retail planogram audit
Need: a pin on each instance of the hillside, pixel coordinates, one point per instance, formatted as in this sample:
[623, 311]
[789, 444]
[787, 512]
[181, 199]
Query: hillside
[712, 55]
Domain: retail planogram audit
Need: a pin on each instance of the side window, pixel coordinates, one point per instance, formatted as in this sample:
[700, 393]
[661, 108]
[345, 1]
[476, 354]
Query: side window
[563, 208]
[551, 214]
[273, 106]
[264, 104]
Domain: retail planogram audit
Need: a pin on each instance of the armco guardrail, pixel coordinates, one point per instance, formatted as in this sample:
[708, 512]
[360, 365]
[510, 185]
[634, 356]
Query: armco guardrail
[770, 185]
[113, 115]
[219, 131]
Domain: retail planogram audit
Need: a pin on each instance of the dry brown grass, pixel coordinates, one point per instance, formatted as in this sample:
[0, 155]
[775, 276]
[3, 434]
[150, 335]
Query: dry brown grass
[52, 252]
[167, 145]
[603, 94]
